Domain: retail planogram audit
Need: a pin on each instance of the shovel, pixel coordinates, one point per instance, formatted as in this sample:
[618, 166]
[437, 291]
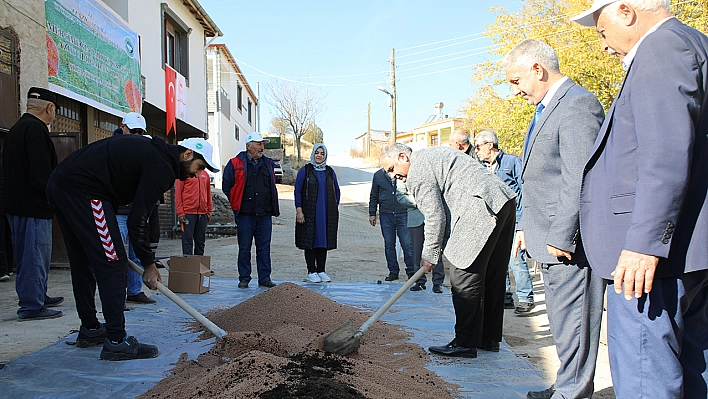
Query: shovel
[213, 328]
[345, 339]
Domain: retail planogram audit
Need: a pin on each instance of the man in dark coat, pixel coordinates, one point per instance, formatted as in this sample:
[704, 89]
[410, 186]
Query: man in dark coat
[29, 158]
[84, 191]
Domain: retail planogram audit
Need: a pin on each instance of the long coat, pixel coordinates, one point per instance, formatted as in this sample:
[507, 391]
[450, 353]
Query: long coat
[459, 198]
[305, 232]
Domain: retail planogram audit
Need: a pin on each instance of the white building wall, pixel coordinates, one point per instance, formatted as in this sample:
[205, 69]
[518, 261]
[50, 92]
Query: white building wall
[222, 129]
[144, 17]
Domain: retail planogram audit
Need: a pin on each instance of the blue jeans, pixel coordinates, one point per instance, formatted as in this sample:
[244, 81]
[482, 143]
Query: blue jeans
[135, 280]
[249, 228]
[32, 243]
[524, 286]
[393, 224]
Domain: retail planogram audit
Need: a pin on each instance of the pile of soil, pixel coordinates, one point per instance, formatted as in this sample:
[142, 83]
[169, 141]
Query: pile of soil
[274, 350]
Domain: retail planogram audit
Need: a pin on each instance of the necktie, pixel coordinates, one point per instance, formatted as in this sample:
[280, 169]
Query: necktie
[536, 117]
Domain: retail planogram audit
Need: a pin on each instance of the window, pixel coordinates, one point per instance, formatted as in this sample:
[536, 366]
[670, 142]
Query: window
[175, 42]
[239, 97]
[236, 133]
[249, 111]
[433, 140]
[9, 83]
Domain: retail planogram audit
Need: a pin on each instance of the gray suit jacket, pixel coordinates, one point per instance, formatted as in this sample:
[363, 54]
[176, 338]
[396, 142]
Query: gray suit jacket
[552, 171]
[646, 182]
[459, 199]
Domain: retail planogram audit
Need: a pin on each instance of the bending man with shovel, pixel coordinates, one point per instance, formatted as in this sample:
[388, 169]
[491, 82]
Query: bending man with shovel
[470, 213]
[84, 191]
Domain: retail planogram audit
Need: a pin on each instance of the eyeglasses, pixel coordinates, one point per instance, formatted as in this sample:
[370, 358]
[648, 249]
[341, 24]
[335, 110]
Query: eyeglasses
[476, 146]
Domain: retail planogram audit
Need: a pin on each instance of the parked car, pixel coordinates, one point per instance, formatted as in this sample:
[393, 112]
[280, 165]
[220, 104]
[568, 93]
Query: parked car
[278, 172]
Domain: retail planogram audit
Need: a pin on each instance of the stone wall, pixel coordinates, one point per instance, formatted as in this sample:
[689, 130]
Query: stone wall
[26, 19]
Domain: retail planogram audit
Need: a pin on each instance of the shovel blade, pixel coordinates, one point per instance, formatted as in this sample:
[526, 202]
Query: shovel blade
[343, 340]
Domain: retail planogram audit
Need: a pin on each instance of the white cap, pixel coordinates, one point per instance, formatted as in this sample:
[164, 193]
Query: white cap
[134, 121]
[255, 136]
[203, 148]
[586, 17]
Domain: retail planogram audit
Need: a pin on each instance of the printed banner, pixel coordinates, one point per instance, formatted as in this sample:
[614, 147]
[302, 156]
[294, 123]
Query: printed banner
[181, 99]
[93, 57]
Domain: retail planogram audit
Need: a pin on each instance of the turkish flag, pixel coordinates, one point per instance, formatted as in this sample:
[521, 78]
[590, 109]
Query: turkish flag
[170, 95]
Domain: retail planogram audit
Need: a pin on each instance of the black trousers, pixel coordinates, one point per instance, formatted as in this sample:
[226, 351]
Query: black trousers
[478, 291]
[316, 259]
[96, 257]
[194, 234]
[154, 221]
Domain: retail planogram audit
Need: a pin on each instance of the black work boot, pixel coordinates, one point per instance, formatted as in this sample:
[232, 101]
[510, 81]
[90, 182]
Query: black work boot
[128, 349]
[92, 337]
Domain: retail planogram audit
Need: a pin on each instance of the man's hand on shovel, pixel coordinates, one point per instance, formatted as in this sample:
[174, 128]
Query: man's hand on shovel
[151, 276]
[426, 265]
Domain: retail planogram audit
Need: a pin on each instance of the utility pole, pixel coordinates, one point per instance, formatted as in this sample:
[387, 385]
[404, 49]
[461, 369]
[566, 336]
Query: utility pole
[393, 96]
[367, 147]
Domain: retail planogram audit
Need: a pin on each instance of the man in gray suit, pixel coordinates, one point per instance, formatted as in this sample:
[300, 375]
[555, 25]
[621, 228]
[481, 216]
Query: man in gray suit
[644, 209]
[470, 214]
[556, 146]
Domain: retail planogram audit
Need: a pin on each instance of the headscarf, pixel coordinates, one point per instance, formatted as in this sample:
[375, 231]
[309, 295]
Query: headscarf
[320, 166]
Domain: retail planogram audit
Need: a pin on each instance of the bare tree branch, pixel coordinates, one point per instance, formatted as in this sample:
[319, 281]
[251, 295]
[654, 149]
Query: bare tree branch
[298, 105]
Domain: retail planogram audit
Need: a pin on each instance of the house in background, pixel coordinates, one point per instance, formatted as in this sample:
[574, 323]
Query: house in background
[379, 138]
[105, 58]
[232, 106]
[434, 132]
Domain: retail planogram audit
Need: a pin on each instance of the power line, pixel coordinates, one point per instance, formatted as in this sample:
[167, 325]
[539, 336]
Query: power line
[440, 41]
[475, 51]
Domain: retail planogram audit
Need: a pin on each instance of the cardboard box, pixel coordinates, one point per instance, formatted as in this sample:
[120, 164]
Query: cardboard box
[189, 274]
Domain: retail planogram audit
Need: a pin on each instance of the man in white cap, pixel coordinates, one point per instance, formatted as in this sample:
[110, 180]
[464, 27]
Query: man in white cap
[133, 123]
[249, 184]
[644, 208]
[83, 191]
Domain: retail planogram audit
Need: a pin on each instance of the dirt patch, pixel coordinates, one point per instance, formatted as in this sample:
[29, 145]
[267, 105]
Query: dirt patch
[274, 350]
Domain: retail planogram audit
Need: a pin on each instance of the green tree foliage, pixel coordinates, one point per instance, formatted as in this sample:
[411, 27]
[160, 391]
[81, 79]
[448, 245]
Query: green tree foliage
[313, 134]
[581, 59]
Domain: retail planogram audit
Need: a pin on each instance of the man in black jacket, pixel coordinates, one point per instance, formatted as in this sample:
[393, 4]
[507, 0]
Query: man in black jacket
[393, 217]
[84, 191]
[29, 158]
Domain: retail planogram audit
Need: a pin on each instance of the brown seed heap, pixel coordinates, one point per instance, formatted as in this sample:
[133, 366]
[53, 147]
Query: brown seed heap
[274, 350]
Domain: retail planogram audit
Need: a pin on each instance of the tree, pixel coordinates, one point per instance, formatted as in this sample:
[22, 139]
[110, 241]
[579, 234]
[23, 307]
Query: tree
[297, 104]
[314, 134]
[280, 128]
[578, 49]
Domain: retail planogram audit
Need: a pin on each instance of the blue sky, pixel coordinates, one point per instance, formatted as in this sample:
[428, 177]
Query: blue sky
[322, 39]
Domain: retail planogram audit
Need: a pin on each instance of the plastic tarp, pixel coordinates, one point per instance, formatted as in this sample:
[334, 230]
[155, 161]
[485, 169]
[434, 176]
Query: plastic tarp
[64, 371]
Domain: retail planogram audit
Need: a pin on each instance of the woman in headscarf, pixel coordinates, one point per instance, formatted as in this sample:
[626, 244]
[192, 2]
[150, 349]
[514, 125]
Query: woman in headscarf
[317, 206]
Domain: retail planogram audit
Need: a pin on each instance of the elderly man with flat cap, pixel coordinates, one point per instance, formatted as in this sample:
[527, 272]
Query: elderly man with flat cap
[29, 159]
[644, 202]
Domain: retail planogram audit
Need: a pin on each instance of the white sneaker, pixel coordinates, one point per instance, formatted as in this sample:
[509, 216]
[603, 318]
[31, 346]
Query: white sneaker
[314, 278]
[5, 277]
[324, 277]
